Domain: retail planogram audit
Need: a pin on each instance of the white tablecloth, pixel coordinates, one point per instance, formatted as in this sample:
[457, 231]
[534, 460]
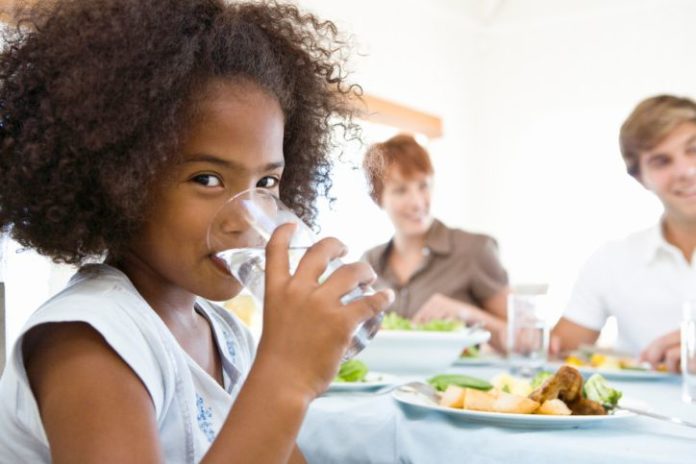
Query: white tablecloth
[363, 429]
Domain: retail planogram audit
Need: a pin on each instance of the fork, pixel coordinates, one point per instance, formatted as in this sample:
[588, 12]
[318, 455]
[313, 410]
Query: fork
[424, 389]
[414, 387]
[652, 415]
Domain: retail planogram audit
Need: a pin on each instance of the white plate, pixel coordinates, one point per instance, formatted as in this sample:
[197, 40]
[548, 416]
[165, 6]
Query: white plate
[372, 380]
[417, 351]
[536, 421]
[619, 374]
[625, 374]
[483, 360]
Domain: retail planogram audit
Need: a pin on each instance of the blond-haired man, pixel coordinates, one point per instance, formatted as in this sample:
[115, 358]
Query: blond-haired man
[644, 278]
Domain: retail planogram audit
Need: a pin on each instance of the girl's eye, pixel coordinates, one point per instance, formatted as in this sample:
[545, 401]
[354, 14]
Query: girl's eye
[268, 182]
[207, 180]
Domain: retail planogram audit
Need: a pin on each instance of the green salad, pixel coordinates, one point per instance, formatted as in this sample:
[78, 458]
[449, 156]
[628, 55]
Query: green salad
[597, 389]
[393, 321]
[470, 352]
[351, 371]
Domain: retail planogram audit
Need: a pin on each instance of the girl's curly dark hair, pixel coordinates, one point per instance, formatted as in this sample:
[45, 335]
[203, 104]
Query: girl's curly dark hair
[95, 94]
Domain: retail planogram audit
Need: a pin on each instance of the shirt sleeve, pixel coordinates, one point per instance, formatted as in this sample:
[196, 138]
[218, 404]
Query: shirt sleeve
[146, 358]
[489, 276]
[587, 304]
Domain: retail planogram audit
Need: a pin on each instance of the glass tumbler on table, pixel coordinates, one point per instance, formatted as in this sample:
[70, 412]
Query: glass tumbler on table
[238, 236]
[528, 330]
[688, 351]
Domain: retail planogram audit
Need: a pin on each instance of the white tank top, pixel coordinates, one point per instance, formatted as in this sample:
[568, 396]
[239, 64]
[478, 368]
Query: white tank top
[190, 405]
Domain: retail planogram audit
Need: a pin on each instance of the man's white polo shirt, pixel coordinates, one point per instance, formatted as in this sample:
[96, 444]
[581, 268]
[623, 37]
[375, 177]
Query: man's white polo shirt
[642, 280]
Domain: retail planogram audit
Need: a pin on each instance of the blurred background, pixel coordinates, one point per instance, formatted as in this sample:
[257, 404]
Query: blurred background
[519, 103]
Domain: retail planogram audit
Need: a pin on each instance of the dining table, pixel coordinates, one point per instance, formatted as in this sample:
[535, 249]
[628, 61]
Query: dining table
[364, 427]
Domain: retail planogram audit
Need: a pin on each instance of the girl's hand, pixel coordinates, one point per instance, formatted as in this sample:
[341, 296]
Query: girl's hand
[306, 328]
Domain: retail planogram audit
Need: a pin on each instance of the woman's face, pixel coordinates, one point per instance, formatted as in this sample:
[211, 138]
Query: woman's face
[234, 143]
[669, 171]
[406, 200]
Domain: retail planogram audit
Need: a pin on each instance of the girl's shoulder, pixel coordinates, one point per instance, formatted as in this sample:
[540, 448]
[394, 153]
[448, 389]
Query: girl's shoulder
[103, 298]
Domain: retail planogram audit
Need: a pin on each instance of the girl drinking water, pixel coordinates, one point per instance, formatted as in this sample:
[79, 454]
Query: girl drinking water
[124, 126]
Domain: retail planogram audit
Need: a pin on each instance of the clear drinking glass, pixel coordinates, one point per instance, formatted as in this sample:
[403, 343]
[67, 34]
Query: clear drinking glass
[238, 236]
[688, 351]
[528, 330]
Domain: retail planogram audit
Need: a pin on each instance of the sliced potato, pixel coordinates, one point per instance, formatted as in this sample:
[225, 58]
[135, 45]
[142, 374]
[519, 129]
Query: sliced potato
[453, 397]
[510, 384]
[554, 408]
[507, 402]
[477, 400]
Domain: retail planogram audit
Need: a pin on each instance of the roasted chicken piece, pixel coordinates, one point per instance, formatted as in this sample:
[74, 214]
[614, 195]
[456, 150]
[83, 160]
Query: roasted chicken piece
[565, 384]
[586, 407]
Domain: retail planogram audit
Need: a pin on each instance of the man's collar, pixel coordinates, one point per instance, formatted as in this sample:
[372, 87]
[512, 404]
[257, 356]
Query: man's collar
[657, 244]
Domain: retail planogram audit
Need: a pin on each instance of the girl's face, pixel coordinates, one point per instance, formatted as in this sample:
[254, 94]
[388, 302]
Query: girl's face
[406, 200]
[234, 143]
[669, 171]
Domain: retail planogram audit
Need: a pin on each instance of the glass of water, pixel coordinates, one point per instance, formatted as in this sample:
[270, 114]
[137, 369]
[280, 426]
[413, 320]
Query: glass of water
[688, 351]
[528, 329]
[238, 236]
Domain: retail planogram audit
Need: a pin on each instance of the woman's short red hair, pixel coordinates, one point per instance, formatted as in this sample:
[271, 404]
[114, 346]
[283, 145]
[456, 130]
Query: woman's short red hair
[401, 151]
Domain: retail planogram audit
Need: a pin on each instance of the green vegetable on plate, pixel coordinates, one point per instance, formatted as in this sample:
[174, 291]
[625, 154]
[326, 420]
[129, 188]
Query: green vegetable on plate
[470, 352]
[393, 321]
[597, 389]
[440, 325]
[539, 378]
[442, 381]
[352, 371]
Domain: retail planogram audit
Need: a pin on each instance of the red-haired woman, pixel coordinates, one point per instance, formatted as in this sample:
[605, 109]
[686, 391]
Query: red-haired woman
[437, 272]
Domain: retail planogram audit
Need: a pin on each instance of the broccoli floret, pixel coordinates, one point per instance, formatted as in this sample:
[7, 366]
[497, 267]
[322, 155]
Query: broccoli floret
[597, 389]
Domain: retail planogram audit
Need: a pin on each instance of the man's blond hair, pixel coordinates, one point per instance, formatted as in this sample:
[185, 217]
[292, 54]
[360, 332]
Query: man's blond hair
[648, 125]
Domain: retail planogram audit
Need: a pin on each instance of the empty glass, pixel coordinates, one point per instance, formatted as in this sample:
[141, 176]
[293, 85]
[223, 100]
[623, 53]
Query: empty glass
[238, 236]
[528, 330]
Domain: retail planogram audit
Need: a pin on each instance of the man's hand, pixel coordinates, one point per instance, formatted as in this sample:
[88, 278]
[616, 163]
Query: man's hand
[664, 350]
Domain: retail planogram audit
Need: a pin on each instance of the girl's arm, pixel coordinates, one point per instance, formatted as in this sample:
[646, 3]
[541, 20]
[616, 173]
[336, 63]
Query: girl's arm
[93, 407]
[96, 410]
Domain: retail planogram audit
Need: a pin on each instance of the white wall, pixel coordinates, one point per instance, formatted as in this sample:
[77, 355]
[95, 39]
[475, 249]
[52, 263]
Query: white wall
[422, 54]
[533, 93]
[557, 80]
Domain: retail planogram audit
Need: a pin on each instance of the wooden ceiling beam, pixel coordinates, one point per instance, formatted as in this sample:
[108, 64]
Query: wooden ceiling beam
[382, 111]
